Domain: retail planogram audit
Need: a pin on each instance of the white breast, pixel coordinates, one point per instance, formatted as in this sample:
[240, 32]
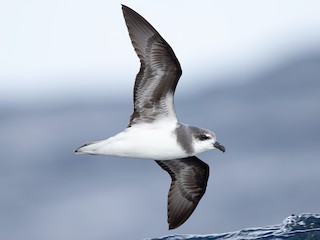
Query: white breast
[151, 141]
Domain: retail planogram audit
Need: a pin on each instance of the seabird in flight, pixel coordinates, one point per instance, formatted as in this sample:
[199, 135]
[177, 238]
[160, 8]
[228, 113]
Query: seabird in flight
[154, 131]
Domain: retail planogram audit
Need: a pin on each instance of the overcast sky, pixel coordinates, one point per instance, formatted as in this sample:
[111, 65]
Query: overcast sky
[67, 47]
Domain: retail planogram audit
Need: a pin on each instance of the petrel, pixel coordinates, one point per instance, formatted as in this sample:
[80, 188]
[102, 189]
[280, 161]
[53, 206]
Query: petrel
[154, 131]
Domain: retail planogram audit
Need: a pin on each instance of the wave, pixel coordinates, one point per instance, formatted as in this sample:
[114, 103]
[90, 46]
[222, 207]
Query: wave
[305, 226]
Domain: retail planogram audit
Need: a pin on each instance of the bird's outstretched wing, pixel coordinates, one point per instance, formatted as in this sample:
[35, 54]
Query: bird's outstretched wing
[189, 181]
[159, 71]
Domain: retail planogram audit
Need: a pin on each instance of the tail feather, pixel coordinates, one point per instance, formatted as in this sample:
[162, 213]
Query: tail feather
[89, 148]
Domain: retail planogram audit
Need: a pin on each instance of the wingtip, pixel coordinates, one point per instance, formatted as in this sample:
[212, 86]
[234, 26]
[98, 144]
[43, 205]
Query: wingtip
[171, 227]
[124, 7]
[125, 10]
[174, 226]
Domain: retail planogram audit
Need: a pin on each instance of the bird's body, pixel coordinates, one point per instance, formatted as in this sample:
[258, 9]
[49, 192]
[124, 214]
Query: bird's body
[154, 131]
[149, 141]
[157, 140]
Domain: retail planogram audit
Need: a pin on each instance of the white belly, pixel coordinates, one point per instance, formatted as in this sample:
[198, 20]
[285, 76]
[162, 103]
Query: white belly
[149, 141]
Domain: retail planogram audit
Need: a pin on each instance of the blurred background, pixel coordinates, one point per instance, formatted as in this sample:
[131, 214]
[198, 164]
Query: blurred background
[251, 73]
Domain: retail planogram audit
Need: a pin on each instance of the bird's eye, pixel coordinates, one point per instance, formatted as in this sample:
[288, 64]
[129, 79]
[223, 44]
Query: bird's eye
[203, 137]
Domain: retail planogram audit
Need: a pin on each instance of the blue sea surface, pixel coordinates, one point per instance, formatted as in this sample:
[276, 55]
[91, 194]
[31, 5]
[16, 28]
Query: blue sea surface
[294, 227]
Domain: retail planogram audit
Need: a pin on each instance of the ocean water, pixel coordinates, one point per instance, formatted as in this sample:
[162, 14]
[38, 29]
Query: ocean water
[295, 227]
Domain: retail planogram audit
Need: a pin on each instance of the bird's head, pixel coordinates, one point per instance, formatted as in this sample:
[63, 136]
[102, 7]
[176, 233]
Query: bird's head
[205, 140]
